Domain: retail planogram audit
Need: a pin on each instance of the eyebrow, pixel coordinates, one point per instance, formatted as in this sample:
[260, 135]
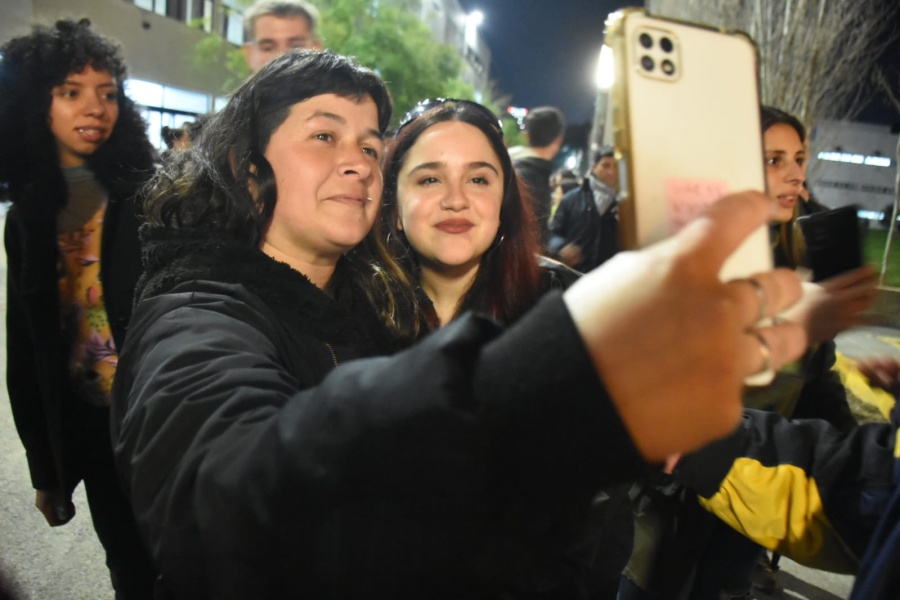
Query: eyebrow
[478, 164]
[785, 152]
[79, 84]
[324, 114]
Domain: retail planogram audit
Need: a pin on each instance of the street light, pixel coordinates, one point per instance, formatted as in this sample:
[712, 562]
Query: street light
[606, 70]
[473, 20]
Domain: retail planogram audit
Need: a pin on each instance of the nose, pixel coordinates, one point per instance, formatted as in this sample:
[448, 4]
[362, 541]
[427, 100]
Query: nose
[796, 174]
[356, 162]
[94, 105]
[455, 199]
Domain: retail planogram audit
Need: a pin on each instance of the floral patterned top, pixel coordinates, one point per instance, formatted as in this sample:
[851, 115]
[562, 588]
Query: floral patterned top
[93, 356]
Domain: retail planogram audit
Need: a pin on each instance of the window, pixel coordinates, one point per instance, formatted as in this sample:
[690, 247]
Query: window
[233, 26]
[156, 6]
[165, 106]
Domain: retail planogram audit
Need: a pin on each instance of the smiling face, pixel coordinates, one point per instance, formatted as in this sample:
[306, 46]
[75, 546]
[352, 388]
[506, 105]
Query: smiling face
[449, 193]
[83, 112]
[785, 168]
[326, 160]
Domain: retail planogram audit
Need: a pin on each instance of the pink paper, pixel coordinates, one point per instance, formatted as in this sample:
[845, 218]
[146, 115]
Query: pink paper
[686, 198]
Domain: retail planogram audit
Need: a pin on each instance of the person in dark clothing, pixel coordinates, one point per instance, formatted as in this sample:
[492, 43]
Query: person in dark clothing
[74, 155]
[721, 560]
[825, 498]
[263, 462]
[584, 230]
[545, 128]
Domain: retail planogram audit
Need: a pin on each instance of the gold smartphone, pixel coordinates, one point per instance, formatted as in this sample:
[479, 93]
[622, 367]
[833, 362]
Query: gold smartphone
[685, 122]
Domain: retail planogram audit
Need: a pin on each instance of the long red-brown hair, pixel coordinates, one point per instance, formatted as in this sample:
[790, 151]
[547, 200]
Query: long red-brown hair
[507, 283]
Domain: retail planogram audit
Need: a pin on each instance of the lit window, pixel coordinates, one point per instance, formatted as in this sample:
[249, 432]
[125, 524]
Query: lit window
[855, 159]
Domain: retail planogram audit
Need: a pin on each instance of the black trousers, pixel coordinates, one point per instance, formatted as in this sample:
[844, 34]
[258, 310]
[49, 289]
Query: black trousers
[89, 454]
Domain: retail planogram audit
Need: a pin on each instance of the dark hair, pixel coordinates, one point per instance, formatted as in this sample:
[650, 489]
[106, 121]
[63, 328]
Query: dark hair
[544, 124]
[31, 67]
[207, 187]
[507, 281]
[172, 134]
[601, 153]
[772, 116]
[195, 127]
[790, 249]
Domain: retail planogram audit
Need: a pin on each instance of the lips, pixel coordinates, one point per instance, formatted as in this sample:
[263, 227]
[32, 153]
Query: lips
[455, 226]
[91, 135]
[350, 199]
[787, 200]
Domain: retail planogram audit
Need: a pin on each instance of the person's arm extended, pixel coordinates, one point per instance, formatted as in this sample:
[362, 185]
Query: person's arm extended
[226, 458]
[212, 430]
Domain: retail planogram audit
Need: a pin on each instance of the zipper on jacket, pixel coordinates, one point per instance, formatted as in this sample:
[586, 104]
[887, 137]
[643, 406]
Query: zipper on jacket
[333, 355]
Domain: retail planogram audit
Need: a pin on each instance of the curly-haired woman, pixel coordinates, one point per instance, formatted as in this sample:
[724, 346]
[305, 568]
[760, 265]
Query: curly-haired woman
[74, 154]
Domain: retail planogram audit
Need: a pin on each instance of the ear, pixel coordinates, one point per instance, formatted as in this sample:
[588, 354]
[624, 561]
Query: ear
[252, 185]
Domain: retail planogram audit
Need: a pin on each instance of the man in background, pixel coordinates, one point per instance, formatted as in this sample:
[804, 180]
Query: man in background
[584, 230]
[544, 128]
[273, 27]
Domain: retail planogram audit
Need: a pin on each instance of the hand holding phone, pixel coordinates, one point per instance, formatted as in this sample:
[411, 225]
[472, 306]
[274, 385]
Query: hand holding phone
[684, 111]
[833, 241]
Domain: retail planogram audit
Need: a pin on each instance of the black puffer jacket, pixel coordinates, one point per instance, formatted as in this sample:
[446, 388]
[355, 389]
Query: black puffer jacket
[259, 470]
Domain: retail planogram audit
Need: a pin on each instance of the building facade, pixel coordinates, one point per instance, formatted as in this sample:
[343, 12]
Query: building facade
[159, 41]
[853, 163]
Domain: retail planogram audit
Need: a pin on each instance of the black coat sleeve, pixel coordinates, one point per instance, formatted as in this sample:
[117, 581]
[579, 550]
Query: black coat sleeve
[823, 395]
[559, 224]
[485, 444]
[22, 372]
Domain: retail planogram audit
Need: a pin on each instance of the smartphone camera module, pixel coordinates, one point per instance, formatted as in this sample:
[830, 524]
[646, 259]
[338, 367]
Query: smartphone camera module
[657, 52]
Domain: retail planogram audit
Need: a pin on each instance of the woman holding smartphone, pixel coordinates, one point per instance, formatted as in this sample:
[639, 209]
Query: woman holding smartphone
[262, 461]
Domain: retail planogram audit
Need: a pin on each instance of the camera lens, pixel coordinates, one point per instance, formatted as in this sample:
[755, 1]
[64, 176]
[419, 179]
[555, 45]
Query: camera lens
[646, 41]
[667, 67]
[648, 63]
[666, 44]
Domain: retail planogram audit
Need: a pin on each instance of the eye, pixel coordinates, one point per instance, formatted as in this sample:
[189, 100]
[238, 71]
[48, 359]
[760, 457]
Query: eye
[774, 161]
[373, 152]
[325, 137]
[481, 180]
[427, 180]
[112, 96]
[68, 93]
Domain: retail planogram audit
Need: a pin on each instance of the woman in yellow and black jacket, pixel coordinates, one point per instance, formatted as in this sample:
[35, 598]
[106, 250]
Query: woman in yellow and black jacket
[826, 499]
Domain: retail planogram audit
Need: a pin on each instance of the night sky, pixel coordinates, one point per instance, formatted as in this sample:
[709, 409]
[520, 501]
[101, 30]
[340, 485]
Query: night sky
[545, 52]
